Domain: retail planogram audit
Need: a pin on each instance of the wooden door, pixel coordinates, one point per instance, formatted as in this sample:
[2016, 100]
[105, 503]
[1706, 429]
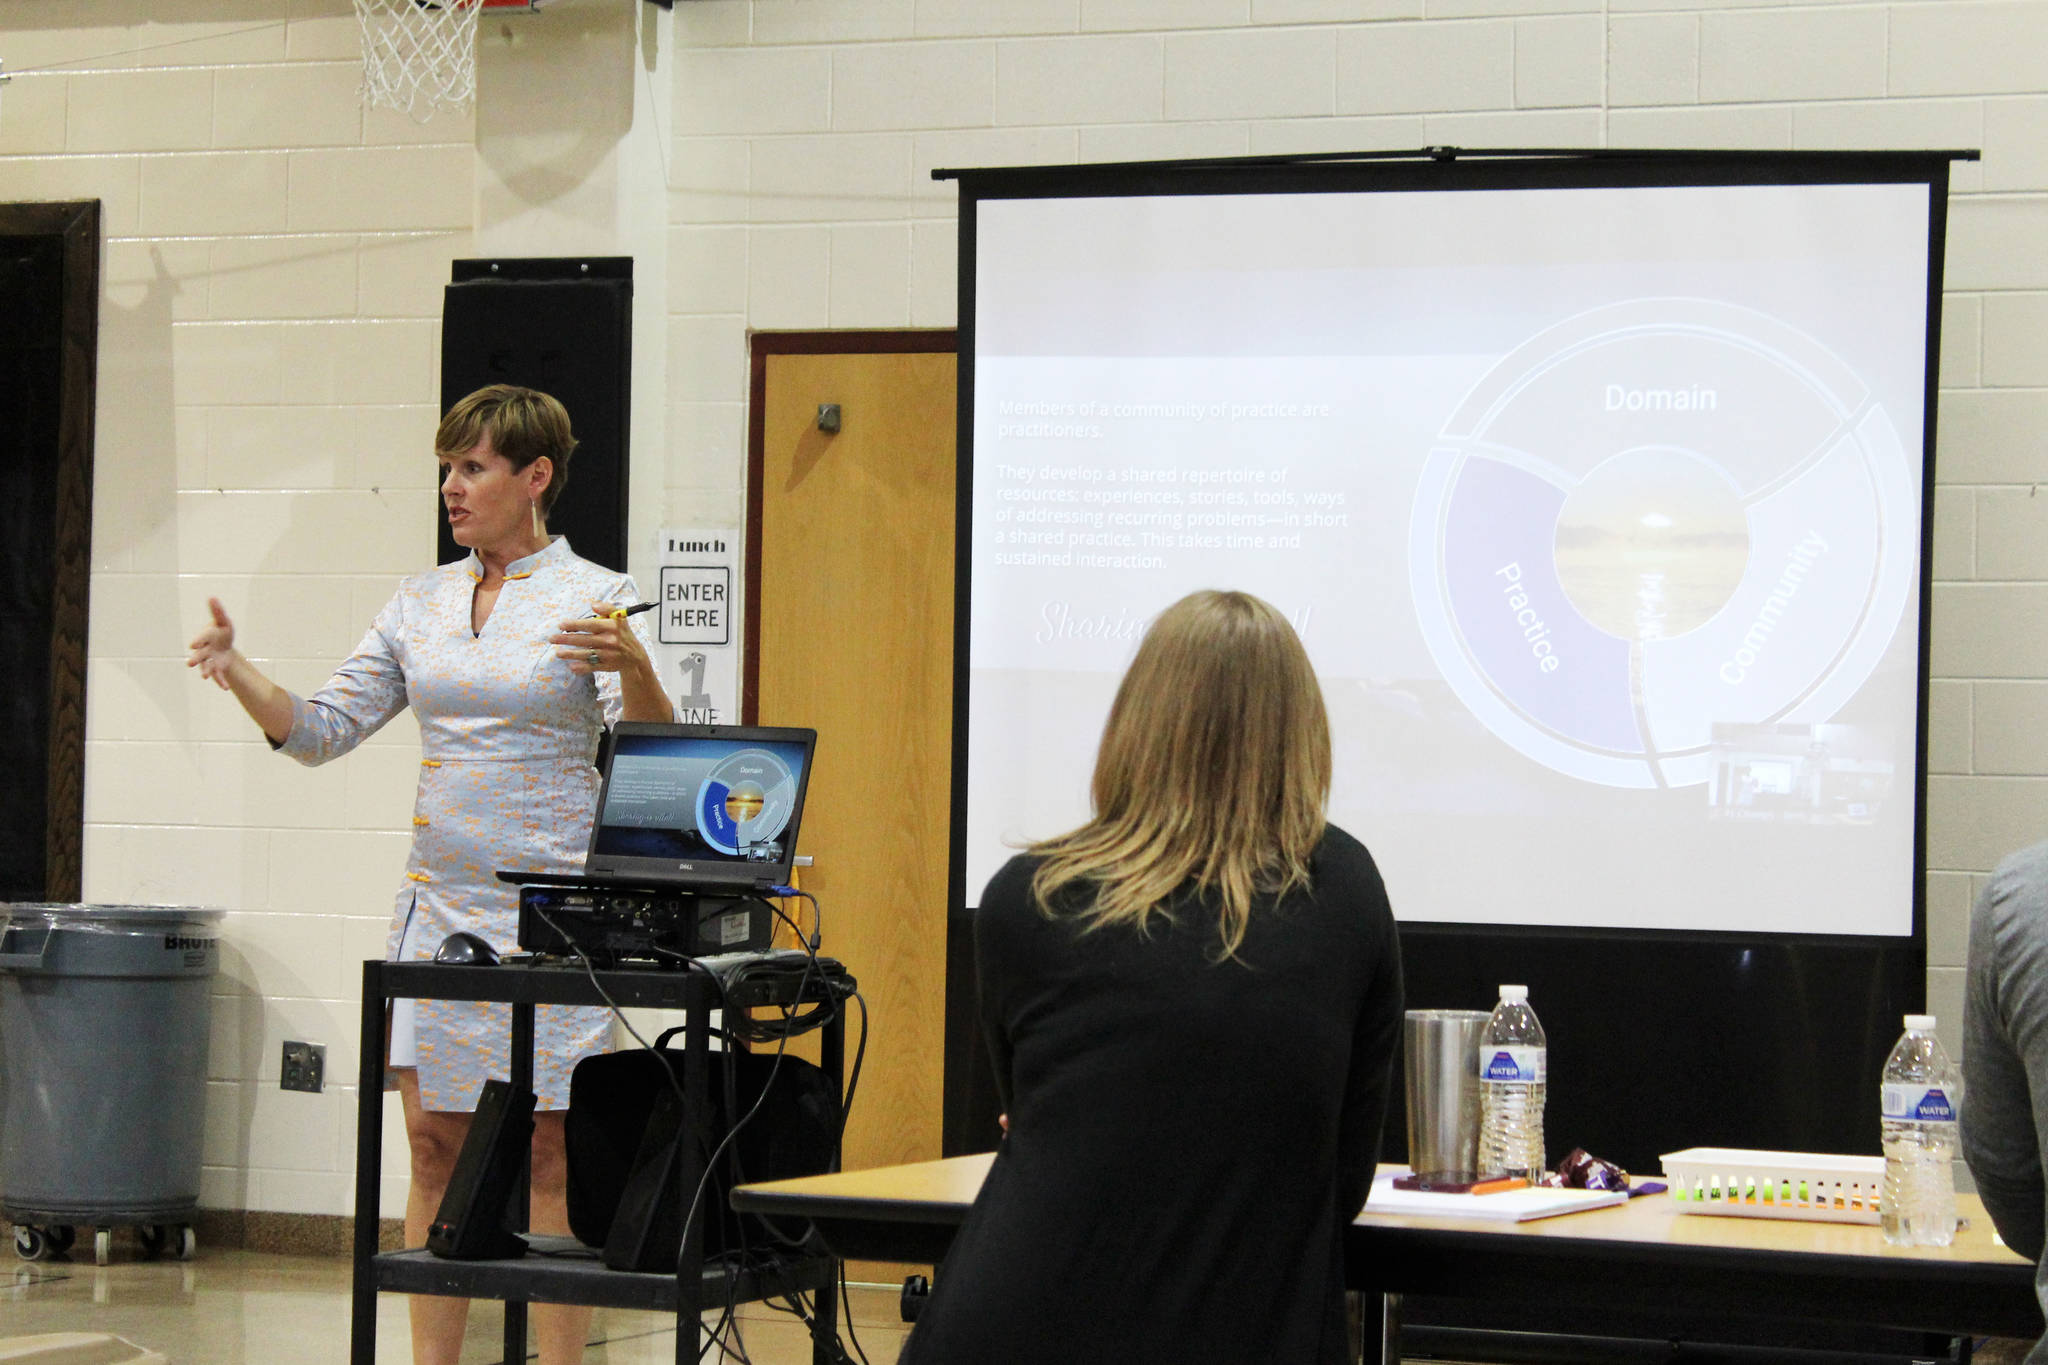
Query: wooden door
[851, 632]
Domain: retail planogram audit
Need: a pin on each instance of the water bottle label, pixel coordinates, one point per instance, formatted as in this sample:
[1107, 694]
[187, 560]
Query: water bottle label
[1917, 1103]
[1512, 1063]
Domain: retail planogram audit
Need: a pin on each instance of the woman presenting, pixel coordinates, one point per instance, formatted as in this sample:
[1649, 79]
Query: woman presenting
[512, 661]
[1192, 1001]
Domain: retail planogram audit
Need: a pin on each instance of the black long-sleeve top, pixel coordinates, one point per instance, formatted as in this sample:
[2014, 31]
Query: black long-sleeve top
[1188, 1138]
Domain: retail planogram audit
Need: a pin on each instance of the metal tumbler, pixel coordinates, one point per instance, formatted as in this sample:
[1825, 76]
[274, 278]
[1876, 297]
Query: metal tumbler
[1441, 1052]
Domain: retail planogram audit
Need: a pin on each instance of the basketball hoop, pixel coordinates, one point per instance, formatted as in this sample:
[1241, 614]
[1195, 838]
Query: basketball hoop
[419, 56]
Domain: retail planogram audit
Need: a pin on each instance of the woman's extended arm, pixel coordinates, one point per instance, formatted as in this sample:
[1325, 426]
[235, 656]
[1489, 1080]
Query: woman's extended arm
[215, 656]
[367, 690]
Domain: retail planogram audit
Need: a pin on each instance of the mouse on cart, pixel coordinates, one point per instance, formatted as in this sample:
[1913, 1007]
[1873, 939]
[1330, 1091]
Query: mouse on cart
[464, 949]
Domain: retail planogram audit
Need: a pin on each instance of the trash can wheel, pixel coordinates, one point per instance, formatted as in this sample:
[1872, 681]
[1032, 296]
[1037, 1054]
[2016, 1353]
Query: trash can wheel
[31, 1243]
[175, 1240]
[34, 1242]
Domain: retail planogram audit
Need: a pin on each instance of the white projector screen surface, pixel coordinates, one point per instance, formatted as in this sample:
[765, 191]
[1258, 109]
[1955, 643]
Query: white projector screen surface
[1598, 510]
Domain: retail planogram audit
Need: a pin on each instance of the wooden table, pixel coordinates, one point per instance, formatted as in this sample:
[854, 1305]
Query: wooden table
[1643, 1252]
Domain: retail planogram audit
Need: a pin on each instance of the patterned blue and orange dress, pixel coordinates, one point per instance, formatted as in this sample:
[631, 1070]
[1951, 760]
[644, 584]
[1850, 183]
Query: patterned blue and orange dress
[507, 736]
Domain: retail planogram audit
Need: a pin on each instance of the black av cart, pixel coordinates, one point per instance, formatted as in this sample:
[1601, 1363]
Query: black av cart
[694, 1288]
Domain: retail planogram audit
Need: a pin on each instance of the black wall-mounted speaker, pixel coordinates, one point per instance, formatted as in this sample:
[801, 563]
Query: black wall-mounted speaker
[563, 325]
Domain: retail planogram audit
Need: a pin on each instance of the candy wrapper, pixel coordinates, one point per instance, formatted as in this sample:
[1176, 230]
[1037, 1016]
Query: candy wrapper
[1583, 1171]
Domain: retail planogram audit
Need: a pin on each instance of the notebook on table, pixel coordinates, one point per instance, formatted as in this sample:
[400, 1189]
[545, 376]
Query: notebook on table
[1513, 1206]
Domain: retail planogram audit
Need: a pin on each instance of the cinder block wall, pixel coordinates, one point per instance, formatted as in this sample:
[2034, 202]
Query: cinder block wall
[806, 133]
[269, 334]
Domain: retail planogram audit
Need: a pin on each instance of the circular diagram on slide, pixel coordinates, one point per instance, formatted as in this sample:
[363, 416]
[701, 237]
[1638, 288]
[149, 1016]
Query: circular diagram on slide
[1656, 517]
[744, 804]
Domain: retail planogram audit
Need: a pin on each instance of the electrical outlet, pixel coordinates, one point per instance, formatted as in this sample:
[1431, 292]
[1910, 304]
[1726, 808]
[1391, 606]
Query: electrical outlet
[304, 1066]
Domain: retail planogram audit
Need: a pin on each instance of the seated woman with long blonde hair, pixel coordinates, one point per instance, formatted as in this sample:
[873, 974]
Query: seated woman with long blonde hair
[1193, 1002]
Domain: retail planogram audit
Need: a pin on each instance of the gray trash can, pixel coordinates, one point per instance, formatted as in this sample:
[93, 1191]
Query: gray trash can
[103, 1042]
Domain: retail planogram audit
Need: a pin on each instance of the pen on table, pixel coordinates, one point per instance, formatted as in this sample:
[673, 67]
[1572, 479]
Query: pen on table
[620, 613]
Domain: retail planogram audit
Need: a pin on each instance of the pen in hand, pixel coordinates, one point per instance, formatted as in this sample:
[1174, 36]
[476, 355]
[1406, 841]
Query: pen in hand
[621, 613]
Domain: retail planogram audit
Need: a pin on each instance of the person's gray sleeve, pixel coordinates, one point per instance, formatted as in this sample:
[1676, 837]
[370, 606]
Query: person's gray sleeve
[2005, 1049]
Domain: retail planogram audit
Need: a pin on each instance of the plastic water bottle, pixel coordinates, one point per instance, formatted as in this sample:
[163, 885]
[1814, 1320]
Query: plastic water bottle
[1920, 1093]
[1512, 1070]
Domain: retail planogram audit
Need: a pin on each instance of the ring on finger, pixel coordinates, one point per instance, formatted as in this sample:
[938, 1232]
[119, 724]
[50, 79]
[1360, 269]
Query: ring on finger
[593, 656]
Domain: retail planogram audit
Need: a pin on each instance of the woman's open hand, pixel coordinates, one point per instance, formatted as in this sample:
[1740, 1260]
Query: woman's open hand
[215, 656]
[213, 649]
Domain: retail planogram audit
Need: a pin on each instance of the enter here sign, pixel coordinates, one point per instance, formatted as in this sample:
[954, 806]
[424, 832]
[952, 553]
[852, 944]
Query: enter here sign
[696, 605]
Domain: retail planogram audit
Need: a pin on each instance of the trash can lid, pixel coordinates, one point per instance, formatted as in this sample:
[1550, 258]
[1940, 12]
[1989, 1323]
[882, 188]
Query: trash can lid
[81, 914]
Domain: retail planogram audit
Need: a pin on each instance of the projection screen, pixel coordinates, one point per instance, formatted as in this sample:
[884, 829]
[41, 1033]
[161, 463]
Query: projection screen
[1596, 490]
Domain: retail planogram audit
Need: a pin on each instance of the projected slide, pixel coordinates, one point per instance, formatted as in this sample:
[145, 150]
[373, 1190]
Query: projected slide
[1604, 589]
[1598, 510]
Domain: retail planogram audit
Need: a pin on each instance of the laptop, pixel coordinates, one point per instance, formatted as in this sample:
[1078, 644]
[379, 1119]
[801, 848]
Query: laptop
[702, 808]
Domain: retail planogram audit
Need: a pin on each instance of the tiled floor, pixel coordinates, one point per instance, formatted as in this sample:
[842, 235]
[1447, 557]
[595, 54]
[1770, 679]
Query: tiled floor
[251, 1308]
[255, 1308]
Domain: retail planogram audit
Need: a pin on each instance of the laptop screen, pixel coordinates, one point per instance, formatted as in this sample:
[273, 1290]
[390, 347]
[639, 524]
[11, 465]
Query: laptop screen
[701, 803]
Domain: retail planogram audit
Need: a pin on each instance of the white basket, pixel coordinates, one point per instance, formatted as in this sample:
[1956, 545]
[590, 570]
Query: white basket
[1742, 1184]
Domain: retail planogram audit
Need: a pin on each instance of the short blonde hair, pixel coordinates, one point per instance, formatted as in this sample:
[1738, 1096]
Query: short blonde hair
[523, 425]
[1213, 776]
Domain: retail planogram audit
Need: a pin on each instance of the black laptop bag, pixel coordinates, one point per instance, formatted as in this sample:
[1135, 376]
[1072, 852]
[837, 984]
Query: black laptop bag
[624, 1121]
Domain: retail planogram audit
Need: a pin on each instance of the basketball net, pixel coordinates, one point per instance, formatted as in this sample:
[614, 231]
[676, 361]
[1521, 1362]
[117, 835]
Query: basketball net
[419, 56]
